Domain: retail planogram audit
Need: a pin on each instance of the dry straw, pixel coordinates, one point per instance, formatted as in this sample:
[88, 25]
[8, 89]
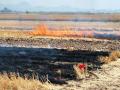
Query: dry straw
[15, 82]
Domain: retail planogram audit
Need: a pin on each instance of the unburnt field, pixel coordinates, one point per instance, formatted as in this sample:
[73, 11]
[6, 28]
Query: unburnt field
[100, 24]
[82, 20]
[115, 17]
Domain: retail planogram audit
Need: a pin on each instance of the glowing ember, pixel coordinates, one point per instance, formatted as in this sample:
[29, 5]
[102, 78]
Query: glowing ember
[82, 67]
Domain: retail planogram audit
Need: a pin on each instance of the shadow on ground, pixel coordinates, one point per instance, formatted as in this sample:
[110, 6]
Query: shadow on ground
[46, 61]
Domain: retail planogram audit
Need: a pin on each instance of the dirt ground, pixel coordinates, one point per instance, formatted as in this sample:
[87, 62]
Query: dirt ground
[109, 79]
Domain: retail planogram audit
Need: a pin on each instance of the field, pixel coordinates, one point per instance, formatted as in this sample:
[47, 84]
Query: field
[101, 25]
[72, 51]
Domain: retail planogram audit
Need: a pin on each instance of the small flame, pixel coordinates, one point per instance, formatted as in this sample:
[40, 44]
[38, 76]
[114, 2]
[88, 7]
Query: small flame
[43, 30]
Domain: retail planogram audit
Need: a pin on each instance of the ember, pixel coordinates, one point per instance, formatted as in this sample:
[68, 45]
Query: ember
[82, 66]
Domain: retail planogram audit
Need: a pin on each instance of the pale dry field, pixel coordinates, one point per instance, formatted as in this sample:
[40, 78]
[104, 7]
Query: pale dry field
[109, 79]
[13, 34]
[83, 21]
[61, 24]
[61, 16]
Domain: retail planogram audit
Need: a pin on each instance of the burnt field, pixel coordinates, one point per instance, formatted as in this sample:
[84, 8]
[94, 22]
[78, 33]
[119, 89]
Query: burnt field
[62, 43]
[46, 55]
[46, 61]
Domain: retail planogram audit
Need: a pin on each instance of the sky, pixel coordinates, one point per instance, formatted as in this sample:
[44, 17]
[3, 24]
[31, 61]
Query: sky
[60, 5]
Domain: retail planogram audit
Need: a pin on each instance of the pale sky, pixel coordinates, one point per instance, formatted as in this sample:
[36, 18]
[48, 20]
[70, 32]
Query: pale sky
[61, 5]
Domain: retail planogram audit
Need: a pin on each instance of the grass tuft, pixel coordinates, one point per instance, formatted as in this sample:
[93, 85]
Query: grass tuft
[114, 55]
[15, 82]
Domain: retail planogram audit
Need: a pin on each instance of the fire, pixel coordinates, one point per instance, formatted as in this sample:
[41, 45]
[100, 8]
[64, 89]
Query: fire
[43, 30]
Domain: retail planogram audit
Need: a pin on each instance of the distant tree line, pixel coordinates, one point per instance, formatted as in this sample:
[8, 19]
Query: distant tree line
[5, 10]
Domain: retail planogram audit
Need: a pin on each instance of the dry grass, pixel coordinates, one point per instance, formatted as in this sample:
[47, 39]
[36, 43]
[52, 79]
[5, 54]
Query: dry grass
[114, 55]
[14, 82]
[14, 34]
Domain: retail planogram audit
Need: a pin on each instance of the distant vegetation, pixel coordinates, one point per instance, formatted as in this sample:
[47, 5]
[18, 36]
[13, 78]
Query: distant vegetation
[4, 10]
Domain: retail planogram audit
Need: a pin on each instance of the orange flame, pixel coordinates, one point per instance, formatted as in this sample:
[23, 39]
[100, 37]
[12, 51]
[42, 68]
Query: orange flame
[42, 30]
